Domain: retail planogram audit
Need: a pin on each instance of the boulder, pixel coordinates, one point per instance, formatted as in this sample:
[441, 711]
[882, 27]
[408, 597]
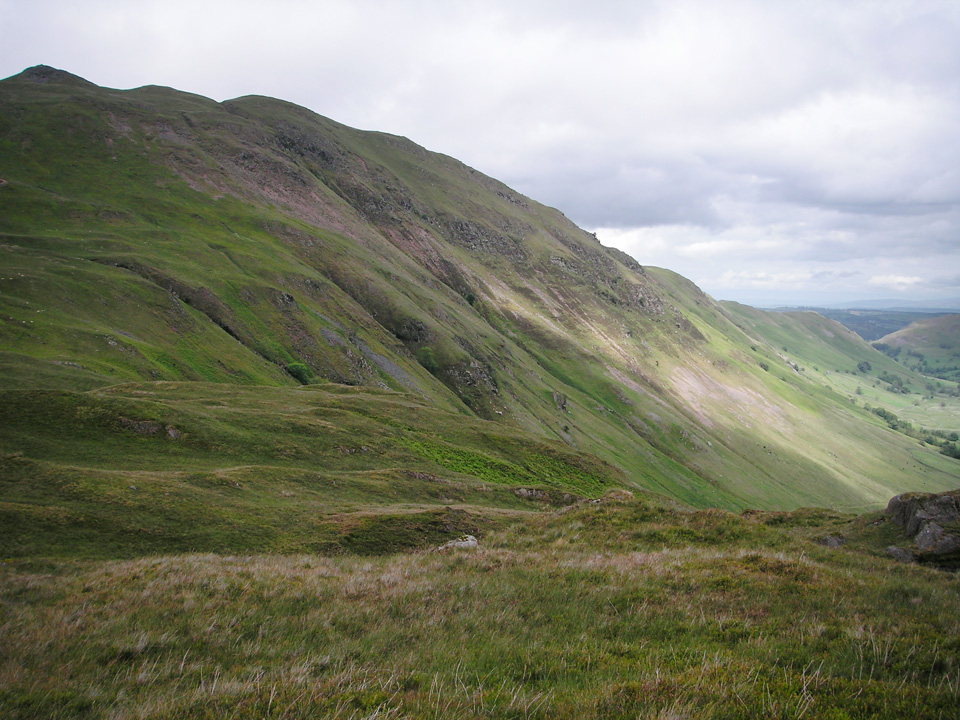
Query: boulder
[464, 541]
[901, 554]
[530, 494]
[932, 521]
[832, 541]
[912, 511]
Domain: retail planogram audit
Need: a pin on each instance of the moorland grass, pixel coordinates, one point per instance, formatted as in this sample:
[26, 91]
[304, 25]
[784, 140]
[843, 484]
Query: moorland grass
[617, 609]
[148, 468]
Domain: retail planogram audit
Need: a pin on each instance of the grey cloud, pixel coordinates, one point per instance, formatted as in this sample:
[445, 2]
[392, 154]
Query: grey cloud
[831, 275]
[788, 140]
[946, 282]
[628, 195]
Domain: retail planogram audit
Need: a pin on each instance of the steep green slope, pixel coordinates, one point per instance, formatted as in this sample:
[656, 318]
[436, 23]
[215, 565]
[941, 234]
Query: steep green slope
[150, 235]
[918, 406]
[823, 351]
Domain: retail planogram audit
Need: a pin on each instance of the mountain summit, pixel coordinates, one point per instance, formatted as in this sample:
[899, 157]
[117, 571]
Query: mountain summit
[156, 242]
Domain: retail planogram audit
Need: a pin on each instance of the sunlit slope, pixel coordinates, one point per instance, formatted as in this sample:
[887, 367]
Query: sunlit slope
[823, 345]
[807, 350]
[828, 353]
[152, 235]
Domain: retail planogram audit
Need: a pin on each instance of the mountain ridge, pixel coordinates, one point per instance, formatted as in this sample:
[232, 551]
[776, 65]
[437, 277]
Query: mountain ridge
[255, 242]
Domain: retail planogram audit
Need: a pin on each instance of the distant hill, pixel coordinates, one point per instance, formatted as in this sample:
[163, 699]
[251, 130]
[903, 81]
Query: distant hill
[929, 345]
[872, 324]
[943, 305]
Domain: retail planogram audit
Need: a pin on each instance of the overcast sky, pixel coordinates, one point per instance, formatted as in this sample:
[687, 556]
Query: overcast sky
[794, 152]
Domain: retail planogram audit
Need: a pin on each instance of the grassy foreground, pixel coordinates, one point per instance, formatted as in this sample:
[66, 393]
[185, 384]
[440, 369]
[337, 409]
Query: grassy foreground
[622, 608]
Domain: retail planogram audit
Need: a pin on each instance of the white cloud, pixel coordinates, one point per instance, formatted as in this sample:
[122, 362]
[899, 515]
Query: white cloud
[764, 280]
[895, 282]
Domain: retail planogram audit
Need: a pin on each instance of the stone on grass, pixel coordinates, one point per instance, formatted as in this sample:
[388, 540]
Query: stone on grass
[900, 554]
[464, 541]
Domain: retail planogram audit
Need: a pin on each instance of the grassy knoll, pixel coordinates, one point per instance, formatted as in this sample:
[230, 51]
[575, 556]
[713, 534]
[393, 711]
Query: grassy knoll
[626, 608]
[159, 467]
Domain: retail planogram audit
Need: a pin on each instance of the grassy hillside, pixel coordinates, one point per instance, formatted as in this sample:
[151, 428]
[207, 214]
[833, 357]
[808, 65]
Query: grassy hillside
[930, 346]
[916, 405]
[155, 236]
[149, 468]
[874, 324]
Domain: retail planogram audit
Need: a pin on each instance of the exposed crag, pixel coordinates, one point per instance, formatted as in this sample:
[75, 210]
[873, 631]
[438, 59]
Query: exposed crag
[932, 521]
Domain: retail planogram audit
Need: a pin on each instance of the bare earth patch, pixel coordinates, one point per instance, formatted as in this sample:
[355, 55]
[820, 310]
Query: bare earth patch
[703, 394]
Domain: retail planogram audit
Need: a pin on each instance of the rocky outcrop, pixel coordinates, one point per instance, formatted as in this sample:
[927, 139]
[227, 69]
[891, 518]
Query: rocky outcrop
[464, 541]
[480, 238]
[932, 521]
[913, 511]
[149, 427]
[832, 541]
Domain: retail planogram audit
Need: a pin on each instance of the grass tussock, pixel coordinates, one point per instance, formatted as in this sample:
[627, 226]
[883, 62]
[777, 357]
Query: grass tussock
[549, 618]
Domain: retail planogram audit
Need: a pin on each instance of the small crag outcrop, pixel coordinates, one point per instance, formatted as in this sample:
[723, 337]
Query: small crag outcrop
[932, 521]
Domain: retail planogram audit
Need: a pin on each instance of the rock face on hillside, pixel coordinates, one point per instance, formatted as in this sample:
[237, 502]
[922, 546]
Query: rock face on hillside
[932, 521]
